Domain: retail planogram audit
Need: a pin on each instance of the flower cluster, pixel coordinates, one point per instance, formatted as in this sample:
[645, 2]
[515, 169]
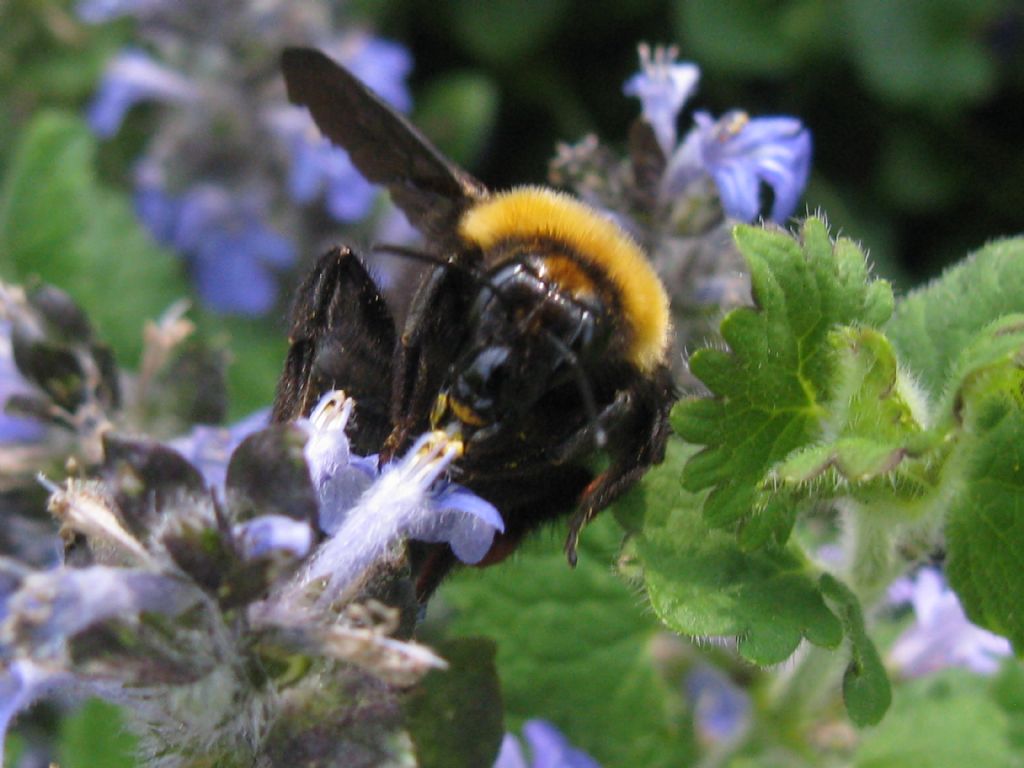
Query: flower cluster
[739, 153]
[246, 598]
[680, 196]
[228, 153]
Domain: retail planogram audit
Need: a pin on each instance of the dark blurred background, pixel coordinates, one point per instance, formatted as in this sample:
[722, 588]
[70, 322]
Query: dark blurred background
[916, 106]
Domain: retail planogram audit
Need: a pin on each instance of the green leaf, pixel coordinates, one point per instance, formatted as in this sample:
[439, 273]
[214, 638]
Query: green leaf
[985, 528]
[575, 647]
[702, 584]
[985, 481]
[932, 325]
[455, 715]
[773, 385]
[59, 224]
[876, 418]
[95, 735]
[866, 690]
[948, 720]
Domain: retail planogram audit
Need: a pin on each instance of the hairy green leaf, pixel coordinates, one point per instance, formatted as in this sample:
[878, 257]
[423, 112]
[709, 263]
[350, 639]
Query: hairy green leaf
[773, 386]
[985, 524]
[876, 425]
[702, 584]
[95, 735]
[932, 325]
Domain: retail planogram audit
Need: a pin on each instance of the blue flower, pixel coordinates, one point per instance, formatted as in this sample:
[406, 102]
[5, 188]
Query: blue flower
[12, 428]
[48, 607]
[548, 749]
[742, 153]
[130, 78]
[663, 87]
[268, 534]
[721, 711]
[739, 153]
[408, 499]
[942, 636]
[231, 251]
[317, 166]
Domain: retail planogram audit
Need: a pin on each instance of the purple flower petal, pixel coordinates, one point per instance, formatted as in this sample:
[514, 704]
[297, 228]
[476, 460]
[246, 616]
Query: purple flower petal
[383, 65]
[230, 280]
[12, 428]
[721, 710]
[740, 154]
[511, 753]
[349, 196]
[550, 749]
[231, 250]
[942, 636]
[53, 605]
[132, 77]
[317, 165]
[99, 11]
[158, 211]
[400, 504]
[21, 683]
[339, 477]
[267, 534]
[663, 87]
[464, 520]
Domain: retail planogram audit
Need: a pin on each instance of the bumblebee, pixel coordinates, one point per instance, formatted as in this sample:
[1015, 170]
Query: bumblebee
[538, 337]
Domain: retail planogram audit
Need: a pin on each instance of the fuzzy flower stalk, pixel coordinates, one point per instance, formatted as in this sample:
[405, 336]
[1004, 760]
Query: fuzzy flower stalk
[243, 622]
[234, 179]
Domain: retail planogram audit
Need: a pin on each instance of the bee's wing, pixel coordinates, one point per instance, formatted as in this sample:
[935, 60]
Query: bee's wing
[385, 147]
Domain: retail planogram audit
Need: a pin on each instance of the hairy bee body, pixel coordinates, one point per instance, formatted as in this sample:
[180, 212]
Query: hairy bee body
[539, 339]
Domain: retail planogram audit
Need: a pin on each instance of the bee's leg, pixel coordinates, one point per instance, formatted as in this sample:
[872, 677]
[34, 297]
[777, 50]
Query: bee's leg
[585, 440]
[433, 329]
[637, 442]
[342, 337]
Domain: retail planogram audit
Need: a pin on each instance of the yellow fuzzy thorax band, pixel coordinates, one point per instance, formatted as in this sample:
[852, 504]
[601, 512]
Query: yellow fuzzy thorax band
[526, 212]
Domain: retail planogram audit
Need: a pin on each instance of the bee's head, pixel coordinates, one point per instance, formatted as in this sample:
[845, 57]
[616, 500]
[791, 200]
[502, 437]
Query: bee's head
[527, 342]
